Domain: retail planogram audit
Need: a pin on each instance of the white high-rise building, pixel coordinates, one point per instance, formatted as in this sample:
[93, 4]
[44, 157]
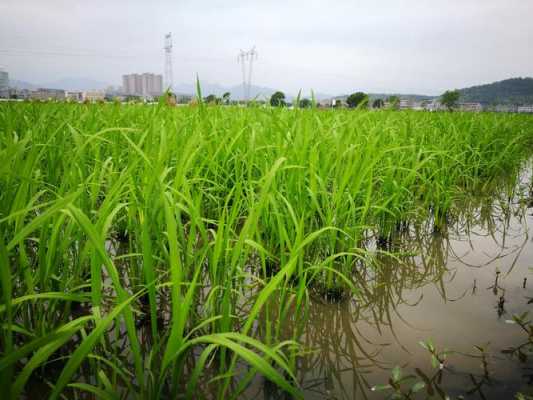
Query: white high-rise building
[4, 79]
[145, 85]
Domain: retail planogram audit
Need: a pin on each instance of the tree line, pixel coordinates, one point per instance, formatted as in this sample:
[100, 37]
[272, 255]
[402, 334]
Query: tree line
[449, 99]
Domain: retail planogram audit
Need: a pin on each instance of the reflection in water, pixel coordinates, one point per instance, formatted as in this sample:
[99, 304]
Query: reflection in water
[458, 285]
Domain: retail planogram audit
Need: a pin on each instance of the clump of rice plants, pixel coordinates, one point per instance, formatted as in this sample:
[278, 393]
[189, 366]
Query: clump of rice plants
[152, 252]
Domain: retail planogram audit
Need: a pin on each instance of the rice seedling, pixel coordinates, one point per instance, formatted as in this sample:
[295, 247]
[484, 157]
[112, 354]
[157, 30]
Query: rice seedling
[153, 252]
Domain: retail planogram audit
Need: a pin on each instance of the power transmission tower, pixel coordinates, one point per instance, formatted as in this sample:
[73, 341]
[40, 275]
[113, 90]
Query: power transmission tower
[168, 61]
[247, 57]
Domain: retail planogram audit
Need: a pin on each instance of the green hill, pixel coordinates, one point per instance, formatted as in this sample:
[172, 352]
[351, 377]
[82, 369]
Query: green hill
[510, 91]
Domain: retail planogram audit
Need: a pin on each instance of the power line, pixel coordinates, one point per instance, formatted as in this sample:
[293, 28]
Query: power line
[30, 52]
[53, 53]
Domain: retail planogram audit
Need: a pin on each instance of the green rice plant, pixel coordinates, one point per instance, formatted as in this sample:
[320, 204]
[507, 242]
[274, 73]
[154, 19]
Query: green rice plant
[156, 251]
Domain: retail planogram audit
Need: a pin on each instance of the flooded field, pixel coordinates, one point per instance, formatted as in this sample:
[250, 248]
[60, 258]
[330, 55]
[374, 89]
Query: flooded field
[228, 252]
[461, 292]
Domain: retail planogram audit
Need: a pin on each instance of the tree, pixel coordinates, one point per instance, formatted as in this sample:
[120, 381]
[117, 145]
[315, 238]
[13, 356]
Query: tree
[358, 99]
[226, 98]
[277, 99]
[305, 103]
[378, 103]
[394, 102]
[450, 98]
[211, 99]
[337, 103]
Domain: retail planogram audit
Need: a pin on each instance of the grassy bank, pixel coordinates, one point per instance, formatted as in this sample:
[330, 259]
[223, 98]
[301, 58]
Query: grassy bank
[141, 246]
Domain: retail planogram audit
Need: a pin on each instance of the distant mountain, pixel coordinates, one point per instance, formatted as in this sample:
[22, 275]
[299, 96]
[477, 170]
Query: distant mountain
[237, 92]
[509, 91]
[80, 84]
[22, 84]
[412, 97]
[71, 84]
[515, 91]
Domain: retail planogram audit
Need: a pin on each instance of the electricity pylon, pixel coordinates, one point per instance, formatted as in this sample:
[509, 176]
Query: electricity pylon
[168, 62]
[247, 57]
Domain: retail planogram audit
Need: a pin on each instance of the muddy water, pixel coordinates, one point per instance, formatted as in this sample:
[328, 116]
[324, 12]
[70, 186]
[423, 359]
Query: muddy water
[461, 290]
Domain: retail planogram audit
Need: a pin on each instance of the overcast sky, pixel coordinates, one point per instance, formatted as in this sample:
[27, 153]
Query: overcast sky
[333, 46]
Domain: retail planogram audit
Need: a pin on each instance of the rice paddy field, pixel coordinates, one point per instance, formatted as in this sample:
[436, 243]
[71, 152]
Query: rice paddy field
[152, 252]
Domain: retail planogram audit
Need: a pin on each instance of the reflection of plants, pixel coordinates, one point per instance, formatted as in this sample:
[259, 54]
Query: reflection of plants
[437, 357]
[521, 351]
[485, 379]
[406, 387]
[342, 351]
[523, 321]
[335, 329]
[403, 387]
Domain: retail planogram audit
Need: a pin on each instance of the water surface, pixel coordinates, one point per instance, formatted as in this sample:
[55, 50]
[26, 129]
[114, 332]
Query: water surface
[460, 289]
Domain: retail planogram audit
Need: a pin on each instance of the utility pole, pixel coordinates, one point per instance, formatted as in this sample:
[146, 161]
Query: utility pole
[247, 57]
[168, 62]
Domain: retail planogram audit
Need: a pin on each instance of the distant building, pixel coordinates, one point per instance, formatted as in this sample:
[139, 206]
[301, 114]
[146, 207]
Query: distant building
[410, 104]
[93, 95]
[4, 79]
[113, 93]
[183, 98]
[425, 104]
[20, 94]
[505, 108]
[406, 104]
[326, 103]
[525, 109]
[74, 96]
[129, 86]
[338, 102]
[473, 107]
[145, 85]
[433, 105]
[47, 94]
[417, 105]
